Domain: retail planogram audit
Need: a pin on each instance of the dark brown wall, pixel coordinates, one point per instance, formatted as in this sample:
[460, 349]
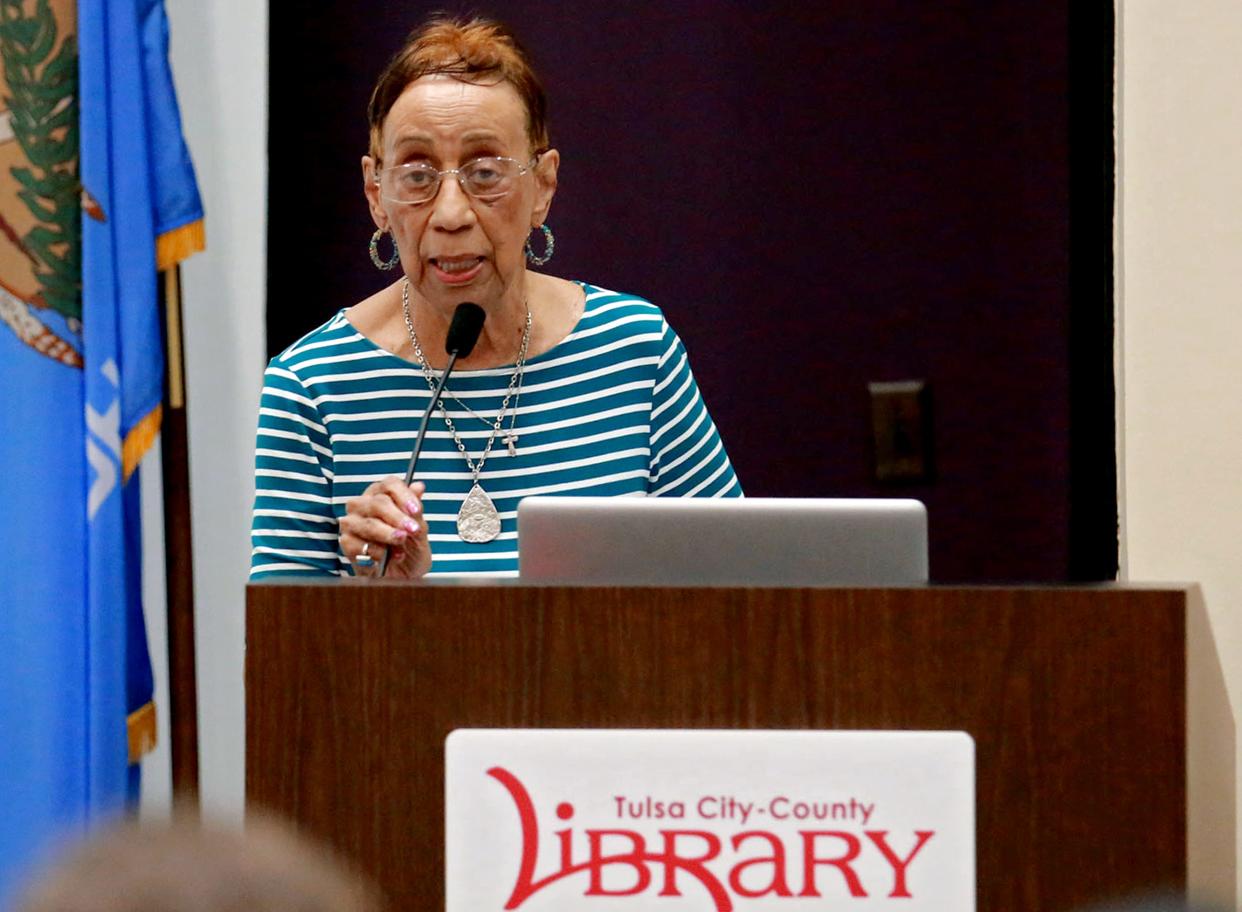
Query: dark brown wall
[818, 195]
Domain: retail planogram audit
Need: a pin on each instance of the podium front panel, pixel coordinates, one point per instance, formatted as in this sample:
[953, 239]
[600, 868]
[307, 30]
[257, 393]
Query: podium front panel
[1075, 698]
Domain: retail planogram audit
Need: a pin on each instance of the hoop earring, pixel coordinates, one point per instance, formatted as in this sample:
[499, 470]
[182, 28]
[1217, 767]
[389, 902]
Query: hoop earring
[391, 262]
[549, 244]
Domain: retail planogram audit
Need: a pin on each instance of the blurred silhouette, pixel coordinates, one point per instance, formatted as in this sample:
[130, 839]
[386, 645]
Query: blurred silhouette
[1163, 902]
[193, 866]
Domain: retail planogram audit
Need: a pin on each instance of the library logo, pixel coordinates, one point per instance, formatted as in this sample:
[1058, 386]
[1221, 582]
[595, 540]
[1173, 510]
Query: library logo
[555, 820]
[724, 863]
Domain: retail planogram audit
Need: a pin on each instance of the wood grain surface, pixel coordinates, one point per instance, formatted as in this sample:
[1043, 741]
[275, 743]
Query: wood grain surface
[1075, 698]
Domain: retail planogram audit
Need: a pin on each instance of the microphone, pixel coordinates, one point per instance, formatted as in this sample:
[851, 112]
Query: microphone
[463, 333]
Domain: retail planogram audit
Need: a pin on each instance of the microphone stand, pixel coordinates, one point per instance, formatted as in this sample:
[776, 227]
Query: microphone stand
[418, 442]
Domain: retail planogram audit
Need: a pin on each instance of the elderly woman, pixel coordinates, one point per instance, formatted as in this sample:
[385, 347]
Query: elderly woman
[571, 389]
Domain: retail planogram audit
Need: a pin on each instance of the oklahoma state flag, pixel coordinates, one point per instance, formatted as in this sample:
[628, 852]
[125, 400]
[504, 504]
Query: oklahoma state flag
[96, 190]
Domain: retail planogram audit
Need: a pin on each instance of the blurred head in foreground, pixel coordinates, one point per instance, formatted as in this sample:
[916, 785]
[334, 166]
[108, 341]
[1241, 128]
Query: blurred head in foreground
[187, 866]
[1170, 902]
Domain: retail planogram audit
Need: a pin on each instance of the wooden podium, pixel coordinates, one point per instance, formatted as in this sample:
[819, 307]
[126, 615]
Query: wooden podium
[1077, 699]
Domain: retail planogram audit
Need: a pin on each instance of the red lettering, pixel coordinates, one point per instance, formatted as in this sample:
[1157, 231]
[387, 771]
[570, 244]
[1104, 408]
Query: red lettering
[777, 884]
[880, 838]
[633, 854]
[842, 863]
[565, 837]
[635, 858]
[526, 886]
[692, 866]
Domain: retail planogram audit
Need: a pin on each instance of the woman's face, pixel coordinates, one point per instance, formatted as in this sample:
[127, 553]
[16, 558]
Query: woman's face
[455, 247]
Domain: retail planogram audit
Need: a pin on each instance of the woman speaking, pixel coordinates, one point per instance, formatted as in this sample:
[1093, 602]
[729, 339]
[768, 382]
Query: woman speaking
[570, 389]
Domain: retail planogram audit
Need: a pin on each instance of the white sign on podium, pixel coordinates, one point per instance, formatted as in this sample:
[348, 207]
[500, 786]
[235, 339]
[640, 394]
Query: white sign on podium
[612, 820]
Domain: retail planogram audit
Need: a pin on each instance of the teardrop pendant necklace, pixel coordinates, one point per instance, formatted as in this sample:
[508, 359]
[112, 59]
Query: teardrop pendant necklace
[478, 520]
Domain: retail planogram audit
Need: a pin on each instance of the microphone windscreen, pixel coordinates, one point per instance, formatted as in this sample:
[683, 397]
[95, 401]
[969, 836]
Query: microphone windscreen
[464, 331]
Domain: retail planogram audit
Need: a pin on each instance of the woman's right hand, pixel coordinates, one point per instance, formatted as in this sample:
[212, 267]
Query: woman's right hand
[387, 515]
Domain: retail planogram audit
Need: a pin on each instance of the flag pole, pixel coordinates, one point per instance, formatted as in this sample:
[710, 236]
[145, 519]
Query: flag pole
[178, 553]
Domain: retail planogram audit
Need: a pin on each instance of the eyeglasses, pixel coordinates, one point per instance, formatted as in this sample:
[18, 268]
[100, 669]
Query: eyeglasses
[485, 179]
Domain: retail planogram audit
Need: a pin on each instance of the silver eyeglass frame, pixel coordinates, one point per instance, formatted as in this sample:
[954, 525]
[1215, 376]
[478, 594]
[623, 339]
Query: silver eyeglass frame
[457, 173]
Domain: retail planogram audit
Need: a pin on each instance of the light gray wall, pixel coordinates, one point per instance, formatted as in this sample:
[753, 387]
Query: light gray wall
[1180, 270]
[219, 60]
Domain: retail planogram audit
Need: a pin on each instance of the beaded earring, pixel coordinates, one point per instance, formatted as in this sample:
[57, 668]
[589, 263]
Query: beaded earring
[549, 245]
[391, 262]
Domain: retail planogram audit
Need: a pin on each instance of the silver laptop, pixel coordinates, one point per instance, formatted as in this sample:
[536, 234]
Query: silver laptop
[676, 541]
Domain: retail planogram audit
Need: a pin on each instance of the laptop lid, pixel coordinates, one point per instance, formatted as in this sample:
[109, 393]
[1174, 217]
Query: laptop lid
[754, 541]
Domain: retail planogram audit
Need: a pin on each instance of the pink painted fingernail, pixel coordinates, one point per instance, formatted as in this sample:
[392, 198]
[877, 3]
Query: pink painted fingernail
[412, 507]
[398, 536]
[410, 526]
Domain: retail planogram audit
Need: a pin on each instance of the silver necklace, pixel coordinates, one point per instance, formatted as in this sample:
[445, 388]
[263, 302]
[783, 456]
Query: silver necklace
[510, 436]
[478, 520]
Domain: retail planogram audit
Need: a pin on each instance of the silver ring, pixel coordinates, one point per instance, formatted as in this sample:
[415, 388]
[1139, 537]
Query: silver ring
[364, 559]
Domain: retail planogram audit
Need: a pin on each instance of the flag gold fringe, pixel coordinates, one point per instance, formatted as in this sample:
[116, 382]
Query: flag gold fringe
[172, 247]
[141, 728]
[139, 440]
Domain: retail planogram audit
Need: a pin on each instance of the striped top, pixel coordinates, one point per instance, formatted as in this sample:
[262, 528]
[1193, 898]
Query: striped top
[613, 409]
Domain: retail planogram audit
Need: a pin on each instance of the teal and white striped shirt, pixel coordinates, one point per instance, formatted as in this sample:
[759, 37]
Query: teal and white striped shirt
[613, 409]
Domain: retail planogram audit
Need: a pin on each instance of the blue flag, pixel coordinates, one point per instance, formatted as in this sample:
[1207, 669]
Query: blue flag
[96, 191]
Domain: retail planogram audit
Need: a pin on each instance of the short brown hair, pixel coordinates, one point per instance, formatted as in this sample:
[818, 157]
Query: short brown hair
[185, 866]
[474, 50]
